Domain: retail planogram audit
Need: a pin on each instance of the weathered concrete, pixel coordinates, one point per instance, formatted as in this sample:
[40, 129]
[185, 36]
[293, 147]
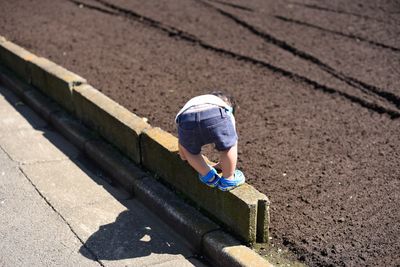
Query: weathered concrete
[41, 104]
[10, 80]
[16, 58]
[32, 234]
[50, 78]
[72, 129]
[114, 230]
[55, 81]
[236, 209]
[115, 123]
[72, 188]
[263, 219]
[24, 119]
[117, 166]
[174, 211]
[226, 251]
[180, 263]
[34, 146]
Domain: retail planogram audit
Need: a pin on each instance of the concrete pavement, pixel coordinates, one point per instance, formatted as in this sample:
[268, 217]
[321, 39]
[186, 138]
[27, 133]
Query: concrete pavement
[58, 209]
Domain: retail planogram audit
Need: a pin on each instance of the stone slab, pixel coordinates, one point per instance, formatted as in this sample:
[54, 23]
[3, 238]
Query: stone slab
[119, 232]
[36, 146]
[125, 236]
[120, 236]
[114, 163]
[12, 82]
[16, 59]
[72, 129]
[41, 104]
[263, 220]
[112, 121]
[14, 114]
[223, 250]
[181, 263]
[190, 222]
[55, 81]
[71, 183]
[31, 233]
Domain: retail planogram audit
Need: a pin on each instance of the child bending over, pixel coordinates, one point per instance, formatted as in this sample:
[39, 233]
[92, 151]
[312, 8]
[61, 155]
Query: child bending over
[208, 119]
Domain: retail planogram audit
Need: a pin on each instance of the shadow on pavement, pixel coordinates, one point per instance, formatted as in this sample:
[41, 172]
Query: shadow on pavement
[123, 239]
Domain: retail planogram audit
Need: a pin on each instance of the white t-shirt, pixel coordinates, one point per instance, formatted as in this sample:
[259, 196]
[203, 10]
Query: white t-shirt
[203, 100]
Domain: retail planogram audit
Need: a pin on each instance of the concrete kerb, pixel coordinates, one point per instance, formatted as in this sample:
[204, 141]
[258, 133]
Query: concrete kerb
[72, 129]
[55, 81]
[114, 122]
[191, 223]
[230, 252]
[238, 209]
[17, 85]
[60, 78]
[16, 58]
[112, 162]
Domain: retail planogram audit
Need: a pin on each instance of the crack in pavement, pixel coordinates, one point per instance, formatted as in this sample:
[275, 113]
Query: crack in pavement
[18, 166]
[182, 35]
[95, 258]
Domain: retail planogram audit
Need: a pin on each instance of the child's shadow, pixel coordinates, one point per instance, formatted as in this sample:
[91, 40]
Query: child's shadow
[126, 238]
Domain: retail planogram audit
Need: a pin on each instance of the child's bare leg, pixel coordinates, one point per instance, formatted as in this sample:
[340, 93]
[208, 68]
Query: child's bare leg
[196, 161]
[213, 164]
[217, 166]
[181, 152]
[228, 161]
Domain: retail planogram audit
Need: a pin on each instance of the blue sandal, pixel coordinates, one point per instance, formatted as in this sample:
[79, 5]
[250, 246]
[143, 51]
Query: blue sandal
[226, 185]
[211, 178]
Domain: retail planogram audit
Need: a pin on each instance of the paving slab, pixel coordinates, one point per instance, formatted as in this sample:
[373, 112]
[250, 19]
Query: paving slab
[71, 183]
[22, 119]
[128, 235]
[37, 146]
[31, 233]
[180, 263]
[119, 232]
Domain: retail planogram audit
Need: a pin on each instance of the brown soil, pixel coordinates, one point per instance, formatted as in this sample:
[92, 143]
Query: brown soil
[317, 84]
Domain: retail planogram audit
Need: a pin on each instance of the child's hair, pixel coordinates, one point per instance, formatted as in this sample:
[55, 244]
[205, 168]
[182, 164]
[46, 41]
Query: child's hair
[227, 99]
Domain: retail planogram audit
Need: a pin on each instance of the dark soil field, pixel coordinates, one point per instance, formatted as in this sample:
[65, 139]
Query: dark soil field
[318, 87]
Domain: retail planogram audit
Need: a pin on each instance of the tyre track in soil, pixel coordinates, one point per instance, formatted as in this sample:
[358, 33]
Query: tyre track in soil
[365, 87]
[351, 36]
[180, 34]
[364, 146]
[343, 54]
[339, 11]
[233, 5]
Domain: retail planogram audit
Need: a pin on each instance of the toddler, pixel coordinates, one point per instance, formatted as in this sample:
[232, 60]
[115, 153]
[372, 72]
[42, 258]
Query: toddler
[208, 119]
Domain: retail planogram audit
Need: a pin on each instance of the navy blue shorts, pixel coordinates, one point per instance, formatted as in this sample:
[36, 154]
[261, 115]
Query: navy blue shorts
[211, 126]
